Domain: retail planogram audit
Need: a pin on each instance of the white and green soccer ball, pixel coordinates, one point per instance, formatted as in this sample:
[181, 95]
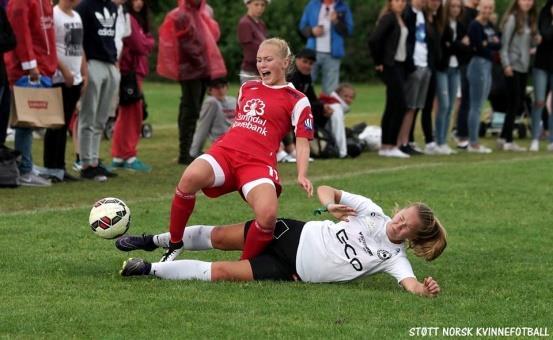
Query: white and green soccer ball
[109, 218]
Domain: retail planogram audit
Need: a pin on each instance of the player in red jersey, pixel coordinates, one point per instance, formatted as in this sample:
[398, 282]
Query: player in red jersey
[244, 159]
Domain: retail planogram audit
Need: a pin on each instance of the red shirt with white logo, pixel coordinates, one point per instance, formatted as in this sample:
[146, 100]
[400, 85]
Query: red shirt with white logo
[264, 115]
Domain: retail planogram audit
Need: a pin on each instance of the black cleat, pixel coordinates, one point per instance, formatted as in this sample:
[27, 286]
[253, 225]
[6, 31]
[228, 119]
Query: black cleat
[129, 243]
[135, 267]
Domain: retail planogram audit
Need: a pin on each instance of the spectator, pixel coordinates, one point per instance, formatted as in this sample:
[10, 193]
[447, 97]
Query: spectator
[543, 74]
[195, 33]
[251, 32]
[454, 44]
[519, 32]
[339, 102]
[71, 76]
[484, 42]
[134, 58]
[301, 79]
[34, 56]
[470, 11]
[435, 27]
[417, 66]
[388, 48]
[7, 43]
[325, 24]
[99, 19]
[216, 115]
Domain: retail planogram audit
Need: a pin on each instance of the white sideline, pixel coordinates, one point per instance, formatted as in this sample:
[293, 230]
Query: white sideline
[292, 182]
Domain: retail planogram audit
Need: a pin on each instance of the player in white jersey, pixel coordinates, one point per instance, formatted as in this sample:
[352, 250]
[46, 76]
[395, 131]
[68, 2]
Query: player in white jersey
[364, 242]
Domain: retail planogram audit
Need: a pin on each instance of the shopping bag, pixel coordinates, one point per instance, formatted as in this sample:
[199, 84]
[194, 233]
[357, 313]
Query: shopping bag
[36, 104]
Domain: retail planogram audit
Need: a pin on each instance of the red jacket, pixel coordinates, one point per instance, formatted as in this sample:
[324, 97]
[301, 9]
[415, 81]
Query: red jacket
[33, 25]
[188, 44]
[136, 49]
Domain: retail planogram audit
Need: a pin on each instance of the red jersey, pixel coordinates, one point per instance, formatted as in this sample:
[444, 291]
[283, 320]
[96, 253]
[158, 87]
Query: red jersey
[264, 115]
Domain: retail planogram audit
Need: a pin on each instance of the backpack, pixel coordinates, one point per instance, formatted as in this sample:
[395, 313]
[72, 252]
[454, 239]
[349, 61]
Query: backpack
[9, 171]
[323, 145]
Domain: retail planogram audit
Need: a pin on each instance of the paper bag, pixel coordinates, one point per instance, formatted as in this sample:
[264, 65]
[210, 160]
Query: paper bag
[37, 107]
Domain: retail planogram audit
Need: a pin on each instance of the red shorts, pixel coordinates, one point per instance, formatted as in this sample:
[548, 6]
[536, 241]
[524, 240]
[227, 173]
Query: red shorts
[237, 171]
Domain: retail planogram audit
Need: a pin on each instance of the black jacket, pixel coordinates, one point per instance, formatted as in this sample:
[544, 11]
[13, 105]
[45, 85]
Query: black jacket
[384, 40]
[410, 19]
[304, 84]
[7, 43]
[544, 52]
[450, 47]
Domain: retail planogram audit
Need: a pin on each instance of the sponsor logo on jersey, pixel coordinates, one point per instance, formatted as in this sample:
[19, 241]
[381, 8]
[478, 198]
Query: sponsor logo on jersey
[349, 251]
[365, 248]
[254, 107]
[107, 20]
[383, 254]
[308, 124]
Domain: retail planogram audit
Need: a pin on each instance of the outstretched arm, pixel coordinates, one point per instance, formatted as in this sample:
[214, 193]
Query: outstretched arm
[330, 199]
[428, 288]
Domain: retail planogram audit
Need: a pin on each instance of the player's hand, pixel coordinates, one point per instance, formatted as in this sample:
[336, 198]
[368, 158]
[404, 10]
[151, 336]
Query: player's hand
[538, 39]
[306, 185]
[341, 211]
[379, 68]
[508, 71]
[465, 41]
[431, 287]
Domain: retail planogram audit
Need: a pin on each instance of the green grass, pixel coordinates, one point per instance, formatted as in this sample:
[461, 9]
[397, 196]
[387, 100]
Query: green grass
[60, 281]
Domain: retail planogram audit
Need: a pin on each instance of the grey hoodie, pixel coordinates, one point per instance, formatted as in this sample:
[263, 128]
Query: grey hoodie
[515, 46]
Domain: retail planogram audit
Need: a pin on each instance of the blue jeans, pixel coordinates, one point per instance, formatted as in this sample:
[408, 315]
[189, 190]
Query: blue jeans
[24, 144]
[330, 69]
[447, 83]
[479, 74]
[541, 78]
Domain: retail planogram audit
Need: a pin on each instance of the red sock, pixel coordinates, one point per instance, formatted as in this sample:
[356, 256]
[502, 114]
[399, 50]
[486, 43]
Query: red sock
[181, 209]
[256, 240]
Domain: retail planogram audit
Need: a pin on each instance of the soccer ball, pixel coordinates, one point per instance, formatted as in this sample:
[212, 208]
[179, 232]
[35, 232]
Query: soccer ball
[109, 218]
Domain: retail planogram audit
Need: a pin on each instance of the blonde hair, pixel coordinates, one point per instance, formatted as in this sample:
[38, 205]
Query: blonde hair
[431, 237]
[283, 51]
[343, 86]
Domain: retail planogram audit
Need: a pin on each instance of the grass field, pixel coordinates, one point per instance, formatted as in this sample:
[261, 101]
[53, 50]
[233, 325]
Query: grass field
[60, 281]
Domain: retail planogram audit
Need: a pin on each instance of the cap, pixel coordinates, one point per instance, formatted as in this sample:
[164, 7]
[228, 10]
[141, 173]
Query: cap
[307, 53]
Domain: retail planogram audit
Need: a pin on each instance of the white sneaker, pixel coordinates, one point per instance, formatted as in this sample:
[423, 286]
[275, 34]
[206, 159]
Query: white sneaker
[431, 149]
[550, 147]
[463, 145]
[443, 150]
[513, 147]
[32, 180]
[479, 149]
[535, 145]
[287, 159]
[172, 252]
[449, 150]
[394, 152]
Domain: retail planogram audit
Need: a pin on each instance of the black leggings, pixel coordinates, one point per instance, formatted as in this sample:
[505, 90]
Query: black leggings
[395, 108]
[516, 89]
[55, 140]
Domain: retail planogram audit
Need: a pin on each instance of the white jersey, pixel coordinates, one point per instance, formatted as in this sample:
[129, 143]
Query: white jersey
[334, 252]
